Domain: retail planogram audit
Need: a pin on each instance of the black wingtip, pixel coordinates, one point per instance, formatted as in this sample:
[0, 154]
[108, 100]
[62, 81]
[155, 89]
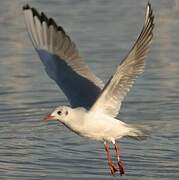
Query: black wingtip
[150, 12]
[35, 12]
[26, 7]
[149, 4]
[52, 22]
[150, 8]
[61, 29]
[42, 17]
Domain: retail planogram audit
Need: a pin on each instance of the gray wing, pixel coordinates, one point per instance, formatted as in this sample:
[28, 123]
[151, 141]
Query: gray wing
[61, 59]
[111, 97]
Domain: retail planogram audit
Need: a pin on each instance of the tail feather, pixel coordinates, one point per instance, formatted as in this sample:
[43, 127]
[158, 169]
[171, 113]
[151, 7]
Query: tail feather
[138, 132]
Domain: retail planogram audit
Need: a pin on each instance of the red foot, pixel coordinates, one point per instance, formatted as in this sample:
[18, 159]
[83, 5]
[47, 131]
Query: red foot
[113, 168]
[121, 167]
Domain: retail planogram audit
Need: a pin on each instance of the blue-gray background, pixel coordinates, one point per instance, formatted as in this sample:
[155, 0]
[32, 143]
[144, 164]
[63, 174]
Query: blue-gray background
[104, 32]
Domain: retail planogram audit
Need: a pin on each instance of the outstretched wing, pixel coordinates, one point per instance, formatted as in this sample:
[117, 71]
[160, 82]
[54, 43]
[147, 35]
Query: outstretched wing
[61, 59]
[111, 97]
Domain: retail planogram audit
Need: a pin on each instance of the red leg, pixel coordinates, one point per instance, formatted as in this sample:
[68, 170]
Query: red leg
[110, 163]
[119, 162]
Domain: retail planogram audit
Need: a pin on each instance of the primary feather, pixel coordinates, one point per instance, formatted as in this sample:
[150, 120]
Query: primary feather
[61, 59]
[111, 97]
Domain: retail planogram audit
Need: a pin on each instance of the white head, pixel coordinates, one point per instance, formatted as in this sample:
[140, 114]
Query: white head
[61, 114]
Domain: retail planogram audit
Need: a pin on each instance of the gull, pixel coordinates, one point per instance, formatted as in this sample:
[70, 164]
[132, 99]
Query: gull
[93, 106]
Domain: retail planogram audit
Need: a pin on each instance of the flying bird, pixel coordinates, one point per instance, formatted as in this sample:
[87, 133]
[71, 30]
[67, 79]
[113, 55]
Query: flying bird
[93, 106]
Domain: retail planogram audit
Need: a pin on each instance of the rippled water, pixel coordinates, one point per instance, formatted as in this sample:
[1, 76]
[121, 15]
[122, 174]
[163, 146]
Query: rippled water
[104, 31]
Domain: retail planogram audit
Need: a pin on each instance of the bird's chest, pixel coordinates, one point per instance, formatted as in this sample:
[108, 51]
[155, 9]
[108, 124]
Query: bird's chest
[84, 128]
[95, 129]
[91, 126]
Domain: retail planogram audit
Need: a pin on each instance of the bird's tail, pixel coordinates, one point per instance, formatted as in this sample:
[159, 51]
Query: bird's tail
[138, 132]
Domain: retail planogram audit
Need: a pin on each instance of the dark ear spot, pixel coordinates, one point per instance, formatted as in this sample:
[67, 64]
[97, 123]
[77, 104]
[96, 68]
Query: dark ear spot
[66, 113]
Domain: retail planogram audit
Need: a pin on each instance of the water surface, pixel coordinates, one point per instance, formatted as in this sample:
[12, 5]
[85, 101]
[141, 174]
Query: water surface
[104, 32]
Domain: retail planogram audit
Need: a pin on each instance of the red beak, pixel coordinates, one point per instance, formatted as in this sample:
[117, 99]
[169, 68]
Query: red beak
[49, 117]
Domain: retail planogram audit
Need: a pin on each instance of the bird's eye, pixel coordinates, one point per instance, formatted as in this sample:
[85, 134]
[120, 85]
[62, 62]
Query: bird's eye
[59, 112]
[66, 113]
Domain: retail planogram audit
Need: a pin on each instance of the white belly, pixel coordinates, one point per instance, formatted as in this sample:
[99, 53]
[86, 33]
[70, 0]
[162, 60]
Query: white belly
[105, 128]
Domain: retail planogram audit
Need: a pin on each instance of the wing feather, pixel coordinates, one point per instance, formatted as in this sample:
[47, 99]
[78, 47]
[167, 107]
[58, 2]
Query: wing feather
[112, 95]
[61, 59]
